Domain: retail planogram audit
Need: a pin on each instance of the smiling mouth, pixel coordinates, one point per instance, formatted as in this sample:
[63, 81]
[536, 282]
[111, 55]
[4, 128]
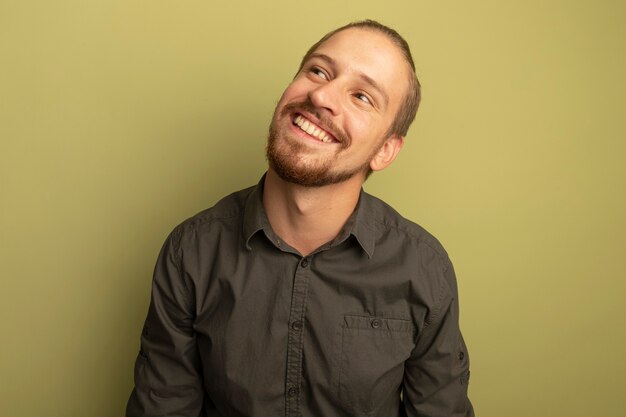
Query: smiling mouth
[312, 130]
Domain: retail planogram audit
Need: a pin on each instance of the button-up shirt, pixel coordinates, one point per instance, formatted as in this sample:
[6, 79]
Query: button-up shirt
[241, 324]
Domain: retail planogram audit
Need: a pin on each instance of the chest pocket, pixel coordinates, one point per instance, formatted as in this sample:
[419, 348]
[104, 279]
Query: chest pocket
[373, 351]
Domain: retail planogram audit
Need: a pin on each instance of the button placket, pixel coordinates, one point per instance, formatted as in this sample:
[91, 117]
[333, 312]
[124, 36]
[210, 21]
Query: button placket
[295, 339]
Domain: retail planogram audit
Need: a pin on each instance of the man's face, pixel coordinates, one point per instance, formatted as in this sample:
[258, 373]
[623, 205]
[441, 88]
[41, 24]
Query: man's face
[332, 120]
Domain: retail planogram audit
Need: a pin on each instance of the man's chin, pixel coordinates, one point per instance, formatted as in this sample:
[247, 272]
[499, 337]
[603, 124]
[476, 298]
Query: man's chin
[291, 169]
[311, 177]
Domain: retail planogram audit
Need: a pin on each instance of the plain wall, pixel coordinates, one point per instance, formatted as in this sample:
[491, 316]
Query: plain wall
[119, 119]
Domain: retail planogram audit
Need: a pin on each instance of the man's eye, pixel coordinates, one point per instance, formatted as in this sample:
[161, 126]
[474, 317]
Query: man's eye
[363, 98]
[319, 73]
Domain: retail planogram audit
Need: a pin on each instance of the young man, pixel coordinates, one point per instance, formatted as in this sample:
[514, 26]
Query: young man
[303, 295]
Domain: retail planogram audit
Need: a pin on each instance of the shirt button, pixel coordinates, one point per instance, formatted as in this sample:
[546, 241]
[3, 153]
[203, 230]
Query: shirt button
[461, 355]
[376, 323]
[304, 263]
[293, 391]
[297, 325]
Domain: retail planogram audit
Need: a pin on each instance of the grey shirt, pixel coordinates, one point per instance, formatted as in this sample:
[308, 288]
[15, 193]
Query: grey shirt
[241, 324]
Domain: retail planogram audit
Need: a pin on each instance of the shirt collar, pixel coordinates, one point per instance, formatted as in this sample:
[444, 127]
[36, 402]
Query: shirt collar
[360, 224]
[254, 217]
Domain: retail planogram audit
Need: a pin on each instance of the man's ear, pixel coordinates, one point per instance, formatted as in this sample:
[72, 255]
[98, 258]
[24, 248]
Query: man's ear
[387, 152]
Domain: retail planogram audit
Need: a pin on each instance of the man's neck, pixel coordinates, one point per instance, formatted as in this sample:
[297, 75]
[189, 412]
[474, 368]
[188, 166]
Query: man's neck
[307, 217]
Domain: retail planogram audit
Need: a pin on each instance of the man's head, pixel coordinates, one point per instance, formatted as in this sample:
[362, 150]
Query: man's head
[347, 109]
[408, 110]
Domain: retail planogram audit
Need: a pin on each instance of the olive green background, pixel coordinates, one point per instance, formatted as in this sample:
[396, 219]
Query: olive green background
[118, 119]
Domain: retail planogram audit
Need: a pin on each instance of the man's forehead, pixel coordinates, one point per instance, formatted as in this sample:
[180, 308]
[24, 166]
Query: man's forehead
[372, 54]
[364, 43]
[355, 36]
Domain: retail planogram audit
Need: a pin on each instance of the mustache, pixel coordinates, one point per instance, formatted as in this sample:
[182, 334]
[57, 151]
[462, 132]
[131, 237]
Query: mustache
[324, 121]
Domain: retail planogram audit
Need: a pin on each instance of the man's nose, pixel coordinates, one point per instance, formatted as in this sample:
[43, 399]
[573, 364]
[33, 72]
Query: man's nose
[327, 96]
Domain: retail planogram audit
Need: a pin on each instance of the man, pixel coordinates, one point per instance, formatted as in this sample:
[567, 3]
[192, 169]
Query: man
[304, 296]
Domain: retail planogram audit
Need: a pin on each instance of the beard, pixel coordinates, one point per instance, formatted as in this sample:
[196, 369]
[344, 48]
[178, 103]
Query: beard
[283, 155]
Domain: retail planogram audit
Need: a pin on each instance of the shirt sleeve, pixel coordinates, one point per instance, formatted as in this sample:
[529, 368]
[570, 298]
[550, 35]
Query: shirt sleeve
[437, 373]
[168, 373]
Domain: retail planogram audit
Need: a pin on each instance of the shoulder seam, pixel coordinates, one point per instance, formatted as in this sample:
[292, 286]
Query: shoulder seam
[439, 251]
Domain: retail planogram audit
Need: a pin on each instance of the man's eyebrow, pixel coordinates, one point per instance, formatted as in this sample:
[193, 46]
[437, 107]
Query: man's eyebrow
[323, 57]
[366, 78]
[369, 80]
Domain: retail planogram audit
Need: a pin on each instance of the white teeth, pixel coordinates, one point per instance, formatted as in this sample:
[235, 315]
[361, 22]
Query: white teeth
[311, 129]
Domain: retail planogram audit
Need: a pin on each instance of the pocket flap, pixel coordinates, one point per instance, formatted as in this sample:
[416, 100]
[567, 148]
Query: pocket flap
[378, 323]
